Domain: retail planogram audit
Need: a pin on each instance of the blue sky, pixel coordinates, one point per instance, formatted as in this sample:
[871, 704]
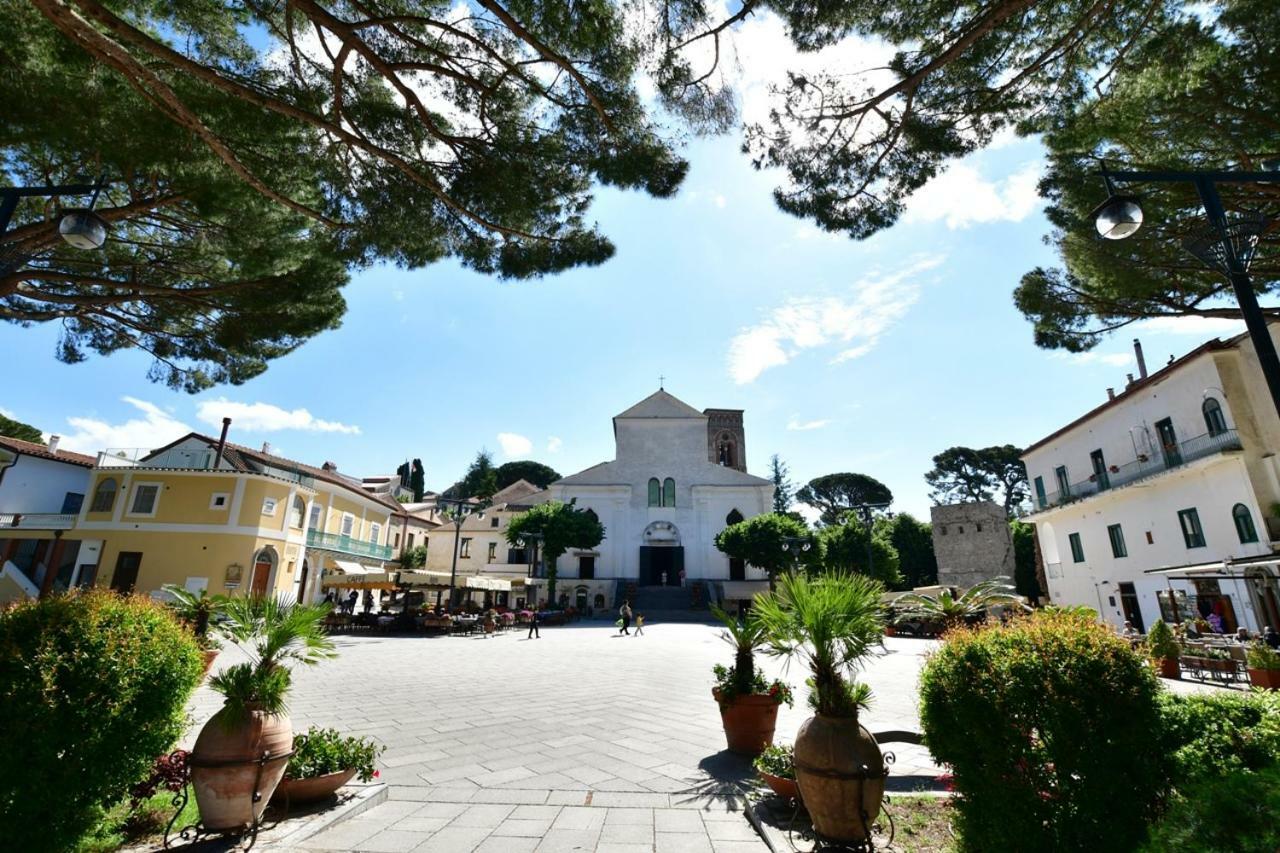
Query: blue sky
[846, 356]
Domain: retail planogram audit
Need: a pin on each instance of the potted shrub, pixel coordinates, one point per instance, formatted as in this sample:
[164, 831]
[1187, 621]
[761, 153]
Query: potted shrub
[199, 611]
[1264, 666]
[831, 623]
[748, 704]
[252, 728]
[951, 610]
[323, 761]
[1164, 648]
[776, 766]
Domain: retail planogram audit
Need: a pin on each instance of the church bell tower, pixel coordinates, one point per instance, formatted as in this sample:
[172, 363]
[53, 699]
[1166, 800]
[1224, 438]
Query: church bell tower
[726, 440]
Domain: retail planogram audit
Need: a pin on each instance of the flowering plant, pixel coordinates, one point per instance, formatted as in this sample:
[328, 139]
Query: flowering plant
[319, 752]
[728, 686]
[168, 772]
[777, 760]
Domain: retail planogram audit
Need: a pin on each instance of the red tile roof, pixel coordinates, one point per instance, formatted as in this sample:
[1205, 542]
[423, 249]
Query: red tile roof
[29, 448]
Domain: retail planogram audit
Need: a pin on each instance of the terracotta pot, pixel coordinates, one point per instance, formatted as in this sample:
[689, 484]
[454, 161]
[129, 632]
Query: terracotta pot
[841, 773]
[302, 791]
[1169, 668]
[1268, 678]
[210, 655]
[890, 631]
[748, 721]
[785, 788]
[224, 767]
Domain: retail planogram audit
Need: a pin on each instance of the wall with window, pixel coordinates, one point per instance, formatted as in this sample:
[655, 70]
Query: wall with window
[33, 484]
[1221, 495]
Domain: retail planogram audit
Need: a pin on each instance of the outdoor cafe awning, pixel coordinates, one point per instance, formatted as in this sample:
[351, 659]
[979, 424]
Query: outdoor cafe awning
[491, 584]
[744, 590]
[1217, 568]
[421, 578]
[346, 567]
[356, 576]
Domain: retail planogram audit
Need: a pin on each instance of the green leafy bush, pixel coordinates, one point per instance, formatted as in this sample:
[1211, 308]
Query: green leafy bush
[1237, 811]
[92, 688]
[1161, 643]
[1262, 656]
[1209, 734]
[777, 760]
[319, 752]
[1050, 726]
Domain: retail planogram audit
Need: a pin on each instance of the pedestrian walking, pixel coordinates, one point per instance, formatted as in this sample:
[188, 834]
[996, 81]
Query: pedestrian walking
[351, 601]
[328, 598]
[640, 624]
[368, 601]
[533, 627]
[625, 613]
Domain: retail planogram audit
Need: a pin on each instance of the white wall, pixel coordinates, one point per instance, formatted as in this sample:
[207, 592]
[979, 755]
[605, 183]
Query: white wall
[33, 484]
[1213, 486]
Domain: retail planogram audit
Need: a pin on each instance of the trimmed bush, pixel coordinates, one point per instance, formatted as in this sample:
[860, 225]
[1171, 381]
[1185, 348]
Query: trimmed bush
[1211, 734]
[1237, 811]
[1051, 727]
[92, 688]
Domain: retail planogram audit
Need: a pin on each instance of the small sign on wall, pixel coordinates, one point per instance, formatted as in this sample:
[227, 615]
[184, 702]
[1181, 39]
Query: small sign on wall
[234, 577]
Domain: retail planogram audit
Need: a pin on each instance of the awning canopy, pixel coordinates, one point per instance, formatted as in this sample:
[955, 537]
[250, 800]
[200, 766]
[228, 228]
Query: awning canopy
[423, 578]
[491, 584]
[365, 579]
[346, 567]
[1220, 568]
[744, 590]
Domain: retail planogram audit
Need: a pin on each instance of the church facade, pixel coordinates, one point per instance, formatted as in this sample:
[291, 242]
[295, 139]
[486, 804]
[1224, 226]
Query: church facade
[678, 478]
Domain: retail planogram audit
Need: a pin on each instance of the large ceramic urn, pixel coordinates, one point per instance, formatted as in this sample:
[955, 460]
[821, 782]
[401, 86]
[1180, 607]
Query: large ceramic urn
[749, 721]
[841, 772]
[232, 782]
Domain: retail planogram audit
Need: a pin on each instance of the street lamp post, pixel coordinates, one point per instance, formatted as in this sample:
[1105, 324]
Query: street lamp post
[462, 508]
[81, 228]
[1227, 246]
[533, 543]
[797, 545]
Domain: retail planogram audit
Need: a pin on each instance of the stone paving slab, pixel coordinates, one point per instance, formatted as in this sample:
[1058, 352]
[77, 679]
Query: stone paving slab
[579, 741]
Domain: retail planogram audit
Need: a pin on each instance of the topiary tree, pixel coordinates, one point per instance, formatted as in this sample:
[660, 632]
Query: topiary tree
[1051, 728]
[92, 688]
[562, 526]
[758, 541]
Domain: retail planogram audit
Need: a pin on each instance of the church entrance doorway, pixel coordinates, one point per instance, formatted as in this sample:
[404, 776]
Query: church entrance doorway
[661, 563]
[737, 569]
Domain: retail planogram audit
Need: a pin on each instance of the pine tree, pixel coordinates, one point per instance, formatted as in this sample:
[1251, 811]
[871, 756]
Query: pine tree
[783, 490]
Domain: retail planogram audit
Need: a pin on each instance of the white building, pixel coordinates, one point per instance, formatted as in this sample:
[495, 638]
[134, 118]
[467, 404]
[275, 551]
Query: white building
[678, 479]
[1167, 493]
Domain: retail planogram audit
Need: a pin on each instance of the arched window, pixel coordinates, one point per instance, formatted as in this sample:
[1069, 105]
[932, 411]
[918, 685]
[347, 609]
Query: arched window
[734, 517]
[655, 492]
[298, 512]
[668, 492]
[726, 451]
[104, 497]
[1244, 523]
[1213, 417]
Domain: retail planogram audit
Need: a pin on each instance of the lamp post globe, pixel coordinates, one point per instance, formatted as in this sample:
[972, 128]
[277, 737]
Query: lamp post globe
[83, 229]
[1118, 217]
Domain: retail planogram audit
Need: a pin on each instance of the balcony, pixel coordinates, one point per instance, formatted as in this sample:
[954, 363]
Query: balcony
[1143, 467]
[37, 520]
[347, 545]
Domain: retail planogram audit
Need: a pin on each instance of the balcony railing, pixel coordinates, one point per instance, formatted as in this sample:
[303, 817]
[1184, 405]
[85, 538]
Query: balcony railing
[1145, 466]
[347, 545]
[37, 520]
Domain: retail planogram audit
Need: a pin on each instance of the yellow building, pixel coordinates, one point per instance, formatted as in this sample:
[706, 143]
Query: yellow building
[230, 519]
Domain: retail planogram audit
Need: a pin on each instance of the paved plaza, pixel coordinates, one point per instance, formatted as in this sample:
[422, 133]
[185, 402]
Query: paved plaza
[579, 741]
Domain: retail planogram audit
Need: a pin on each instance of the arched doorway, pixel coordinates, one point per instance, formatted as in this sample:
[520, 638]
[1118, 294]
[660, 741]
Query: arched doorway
[580, 599]
[661, 555]
[263, 564]
[737, 566]
[1266, 598]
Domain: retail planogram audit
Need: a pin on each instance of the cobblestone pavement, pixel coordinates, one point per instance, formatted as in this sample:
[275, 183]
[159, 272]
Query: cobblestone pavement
[582, 740]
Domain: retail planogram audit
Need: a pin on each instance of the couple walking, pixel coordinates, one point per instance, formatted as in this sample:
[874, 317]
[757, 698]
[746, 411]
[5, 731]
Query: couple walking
[625, 621]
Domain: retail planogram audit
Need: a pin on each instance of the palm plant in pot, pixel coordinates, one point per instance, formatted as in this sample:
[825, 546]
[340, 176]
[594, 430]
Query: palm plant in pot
[748, 703]
[831, 623]
[199, 611]
[240, 754]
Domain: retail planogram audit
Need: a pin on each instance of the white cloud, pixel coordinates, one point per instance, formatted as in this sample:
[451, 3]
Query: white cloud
[1201, 327]
[719, 201]
[796, 425]
[857, 321]
[962, 196]
[265, 417]
[514, 445]
[7, 413]
[155, 428]
[1112, 359]
[554, 443]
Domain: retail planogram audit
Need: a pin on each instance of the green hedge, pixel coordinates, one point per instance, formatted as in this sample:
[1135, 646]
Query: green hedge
[1211, 733]
[1236, 811]
[1051, 727]
[92, 688]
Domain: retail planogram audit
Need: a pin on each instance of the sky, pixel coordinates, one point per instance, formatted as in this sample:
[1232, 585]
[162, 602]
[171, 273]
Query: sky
[868, 356]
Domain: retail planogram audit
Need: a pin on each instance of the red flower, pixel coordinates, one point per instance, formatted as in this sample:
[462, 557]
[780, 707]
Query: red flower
[377, 773]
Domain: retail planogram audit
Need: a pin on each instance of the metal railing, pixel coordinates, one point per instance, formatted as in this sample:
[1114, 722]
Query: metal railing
[347, 545]
[38, 520]
[1144, 466]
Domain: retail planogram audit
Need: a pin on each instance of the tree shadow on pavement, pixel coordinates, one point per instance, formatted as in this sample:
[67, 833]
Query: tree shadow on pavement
[727, 779]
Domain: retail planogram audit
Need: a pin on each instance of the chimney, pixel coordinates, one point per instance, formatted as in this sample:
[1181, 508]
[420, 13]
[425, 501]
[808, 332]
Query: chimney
[222, 443]
[1142, 362]
[266, 447]
[53, 443]
[1111, 393]
[1129, 376]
